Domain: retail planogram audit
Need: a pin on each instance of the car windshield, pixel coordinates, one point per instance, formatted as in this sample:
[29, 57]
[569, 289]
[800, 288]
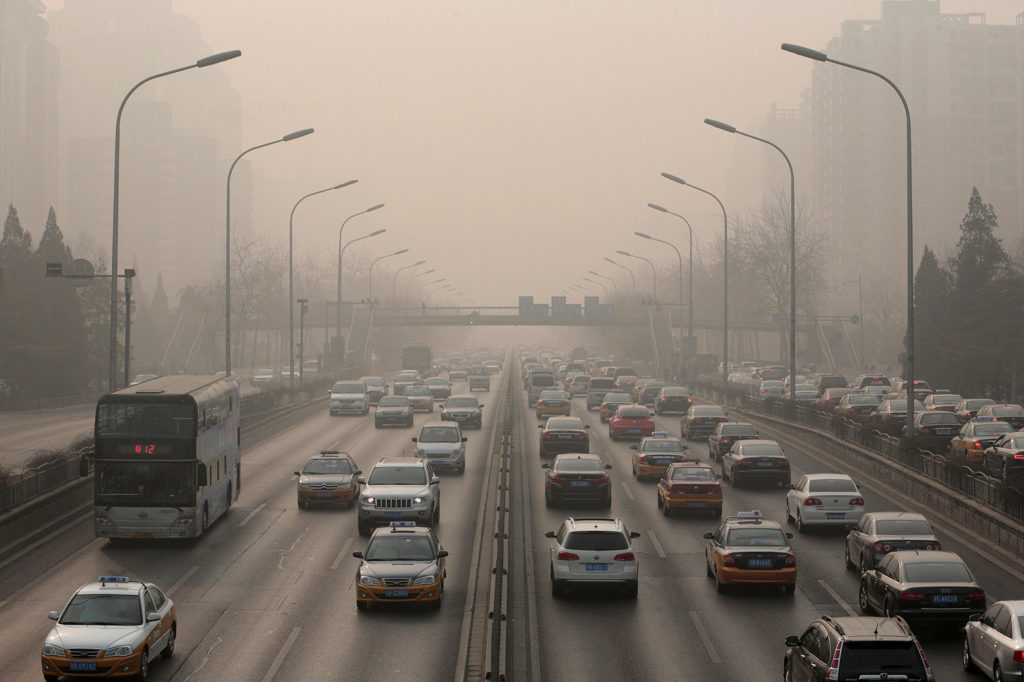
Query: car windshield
[1007, 411]
[462, 402]
[634, 412]
[372, 381]
[761, 450]
[948, 399]
[350, 387]
[707, 412]
[418, 390]
[572, 424]
[439, 434]
[103, 609]
[739, 430]
[831, 485]
[398, 547]
[940, 418]
[394, 402]
[662, 445]
[398, 476]
[328, 466]
[991, 429]
[693, 474]
[578, 465]
[936, 572]
[596, 541]
[756, 537]
[552, 395]
[903, 527]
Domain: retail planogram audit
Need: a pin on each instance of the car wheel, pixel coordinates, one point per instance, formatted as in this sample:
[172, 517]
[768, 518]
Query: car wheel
[846, 556]
[789, 517]
[143, 673]
[966, 659]
[633, 589]
[865, 563]
[887, 608]
[302, 505]
[436, 518]
[661, 502]
[169, 647]
[789, 589]
[376, 424]
[665, 509]
[787, 674]
[635, 474]
[800, 528]
[410, 422]
[548, 502]
[717, 512]
[361, 604]
[436, 604]
[719, 585]
[862, 598]
[364, 528]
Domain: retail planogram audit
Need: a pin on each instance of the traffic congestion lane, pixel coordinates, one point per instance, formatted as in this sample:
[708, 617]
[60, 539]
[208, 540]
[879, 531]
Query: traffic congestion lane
[259, 573]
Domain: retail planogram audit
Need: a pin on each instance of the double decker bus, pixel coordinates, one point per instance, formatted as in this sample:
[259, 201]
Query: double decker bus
[417, 356]
[167, 457]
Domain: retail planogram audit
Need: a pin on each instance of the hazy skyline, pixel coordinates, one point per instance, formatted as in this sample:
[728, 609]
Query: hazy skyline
[528, 134]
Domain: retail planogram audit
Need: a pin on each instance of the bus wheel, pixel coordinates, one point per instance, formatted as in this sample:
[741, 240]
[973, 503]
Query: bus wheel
[206, 517]
[228, 505]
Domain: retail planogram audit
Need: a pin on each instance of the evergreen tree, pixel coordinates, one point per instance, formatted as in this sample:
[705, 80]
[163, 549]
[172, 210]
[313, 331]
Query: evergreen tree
[51, 244]
[980, 256]
[15, 239]
[932, 287]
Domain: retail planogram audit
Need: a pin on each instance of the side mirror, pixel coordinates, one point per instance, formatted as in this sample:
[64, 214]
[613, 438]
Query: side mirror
[709, 535]
[586, 426]
[357, 472]
[53, 615]
[634, 534]
[361, 480]
[789, 535]
[442, 553]
[464, 439]
[358, 555]
[549, 534]
[545, 465]
[792, 640]
[152, 617]
[297, 473]
[434, 480]
[607, 466]
[634, 446]
[686, 447]
[481, 407]
[201, 479]
[974, 616]
[413, 440]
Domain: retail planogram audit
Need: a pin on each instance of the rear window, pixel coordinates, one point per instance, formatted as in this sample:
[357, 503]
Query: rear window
[739, 430]
[1009, 411]
[991, 429]
[565, 424]
[625, 372]
[945, 399]
[596, 541]
[939, 418]
[894, 658]
[937, 572]
[865, 399]
[541, 380]
[693, 474]
[582, 465]
[665, 445]
[633, 412]
[832, 485]
[975, 403]
[761, 450]
[707, 412]
[676, 391]
[903, 527]
[601, 382]
[756, 537]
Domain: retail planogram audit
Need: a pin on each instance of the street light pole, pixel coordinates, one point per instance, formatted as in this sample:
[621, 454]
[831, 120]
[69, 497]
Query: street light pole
[423, 290]
[725, 276]
[632, 277]
[680, 257]
[374, 262]
[615, 287]
[337, 329]
[394, 282]
[341, 254]
[860, 315]
[604, 287]
[291, 281]
[909, 367]
[690, 286]
[205, 61]
[654, 273]
[302, 334]
[129, 275]
[792, 249]
[408, 284]
[227, 242]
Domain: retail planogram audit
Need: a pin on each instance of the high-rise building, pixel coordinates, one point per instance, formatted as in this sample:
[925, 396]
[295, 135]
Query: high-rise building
[964, 83]
[29, 155]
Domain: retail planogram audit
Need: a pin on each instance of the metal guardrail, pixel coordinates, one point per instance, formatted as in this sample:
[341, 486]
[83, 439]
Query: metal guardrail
[992, 492]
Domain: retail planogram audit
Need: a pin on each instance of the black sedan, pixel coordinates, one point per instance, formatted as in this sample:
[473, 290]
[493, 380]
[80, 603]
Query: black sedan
[878, 533]
[393, 411]
[967, 408]
[577, 478]
[756, 460]
[564, 434]
[1005, 458]
[673, 399]
[466, 410]
[933, 430]
[922, 586]
[1011, 414]
[727, 434]
[891, 416]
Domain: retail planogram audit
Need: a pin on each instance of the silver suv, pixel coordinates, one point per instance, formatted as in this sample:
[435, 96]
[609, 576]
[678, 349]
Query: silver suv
[443, 445]
[349, 397]
[399, 489]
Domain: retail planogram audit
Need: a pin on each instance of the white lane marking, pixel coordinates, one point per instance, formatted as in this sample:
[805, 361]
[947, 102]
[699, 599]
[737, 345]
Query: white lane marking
[206, 659]
[276, 665]
[253, 513]
[838, 599]
[705, 638]
[629, 493]
[657, 545]
[341, 555]
[181, 580]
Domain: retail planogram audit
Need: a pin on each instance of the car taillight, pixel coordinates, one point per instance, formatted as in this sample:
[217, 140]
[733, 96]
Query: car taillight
[625, 556]
[693, 420]
[547, 436]
[558, 479]
[833, 668]
[728, 560]
[978, 595]
[857, 502]
[977, 444]
[643, 459]
[1018, 656]
[784, 463]
[933, 546]
[716, 489]
[926, 429]
[811, 501]
[911, 596]
[677, 488]
[882, 547]
[790, 560]
[763, 391]
[567, 556]
[662, 400]
[601, 479]
[744, 463]
[924, 659]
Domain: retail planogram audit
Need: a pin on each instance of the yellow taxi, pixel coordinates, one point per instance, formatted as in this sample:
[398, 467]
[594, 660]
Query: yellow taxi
[553, 404]
[330, 478]
[403, 564]
[655, 453]
[968, 446]
[747, 549]
[114, 627]
[612, 401]
[690, 485]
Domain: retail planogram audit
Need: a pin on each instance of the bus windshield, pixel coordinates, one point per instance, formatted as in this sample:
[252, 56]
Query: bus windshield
[145, 420]
[145, 484]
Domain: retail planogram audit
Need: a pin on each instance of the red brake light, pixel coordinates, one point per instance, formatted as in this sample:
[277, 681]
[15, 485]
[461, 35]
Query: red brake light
[716, 489]
[643, 459]
[911, 596]
[933, 546]
[924, 658]
[790, 560]
[558, 479]
[763, 391]
[978, 595]
[977, 444]
[883, 547]
[1019, 456]
[567, 556]
[728, 560]
[677, 488]
[857, 502]
[811, 502]
[546, 436]
[1018, 656]
[833, 668]
[625, 556]
[601, 479]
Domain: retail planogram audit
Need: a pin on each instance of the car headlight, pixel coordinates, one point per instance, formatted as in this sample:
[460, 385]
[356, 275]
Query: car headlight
[369, 580]
[303, 486]
[368, 499]
[417, 500]
[425, 580]
[52, 650]
[183, 521]
[123, 650]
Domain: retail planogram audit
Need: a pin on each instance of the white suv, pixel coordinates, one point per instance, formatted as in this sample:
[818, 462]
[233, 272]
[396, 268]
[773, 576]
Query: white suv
[593, 551]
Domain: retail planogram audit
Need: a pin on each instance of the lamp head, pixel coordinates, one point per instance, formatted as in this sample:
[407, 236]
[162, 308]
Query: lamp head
[376, 232]
[673, 178]
[399, 253]
[721, 126]
[345, 184]
[373, 208]
[805, 52]
[218, 58]
[645, 236]
[297, 134]
[658, 208]
[625, 253]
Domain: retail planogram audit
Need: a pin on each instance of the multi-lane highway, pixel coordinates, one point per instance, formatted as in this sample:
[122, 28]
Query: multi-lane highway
[268, 593]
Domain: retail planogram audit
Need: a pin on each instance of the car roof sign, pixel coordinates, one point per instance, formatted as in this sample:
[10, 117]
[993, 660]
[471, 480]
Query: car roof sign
[753, 514]
[113, 579]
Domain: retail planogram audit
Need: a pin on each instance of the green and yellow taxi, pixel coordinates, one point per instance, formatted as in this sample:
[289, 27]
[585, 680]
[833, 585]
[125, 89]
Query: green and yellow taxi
[402, 564]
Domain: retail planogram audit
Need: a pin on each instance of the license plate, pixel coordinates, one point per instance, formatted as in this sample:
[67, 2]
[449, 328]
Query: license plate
[580, 484]
[835, 516]
[596, 567]
[82, 666]
[694, 504]
[324, 494]
[565, 436]
[636, 430]
[660, 461]
[393, 514]
[765, 464]
[943, 432]
[759, 563]
[943, 598]
[142, 535]
[396, 593]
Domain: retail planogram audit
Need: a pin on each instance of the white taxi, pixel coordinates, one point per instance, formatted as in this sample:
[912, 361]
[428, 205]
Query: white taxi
[111, 628]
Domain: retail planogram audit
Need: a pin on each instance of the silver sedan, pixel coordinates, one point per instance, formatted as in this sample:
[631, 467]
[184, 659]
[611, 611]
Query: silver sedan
[993, 641]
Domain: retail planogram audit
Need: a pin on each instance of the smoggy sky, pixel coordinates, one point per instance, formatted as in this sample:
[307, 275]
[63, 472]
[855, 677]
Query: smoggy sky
[515, 142]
